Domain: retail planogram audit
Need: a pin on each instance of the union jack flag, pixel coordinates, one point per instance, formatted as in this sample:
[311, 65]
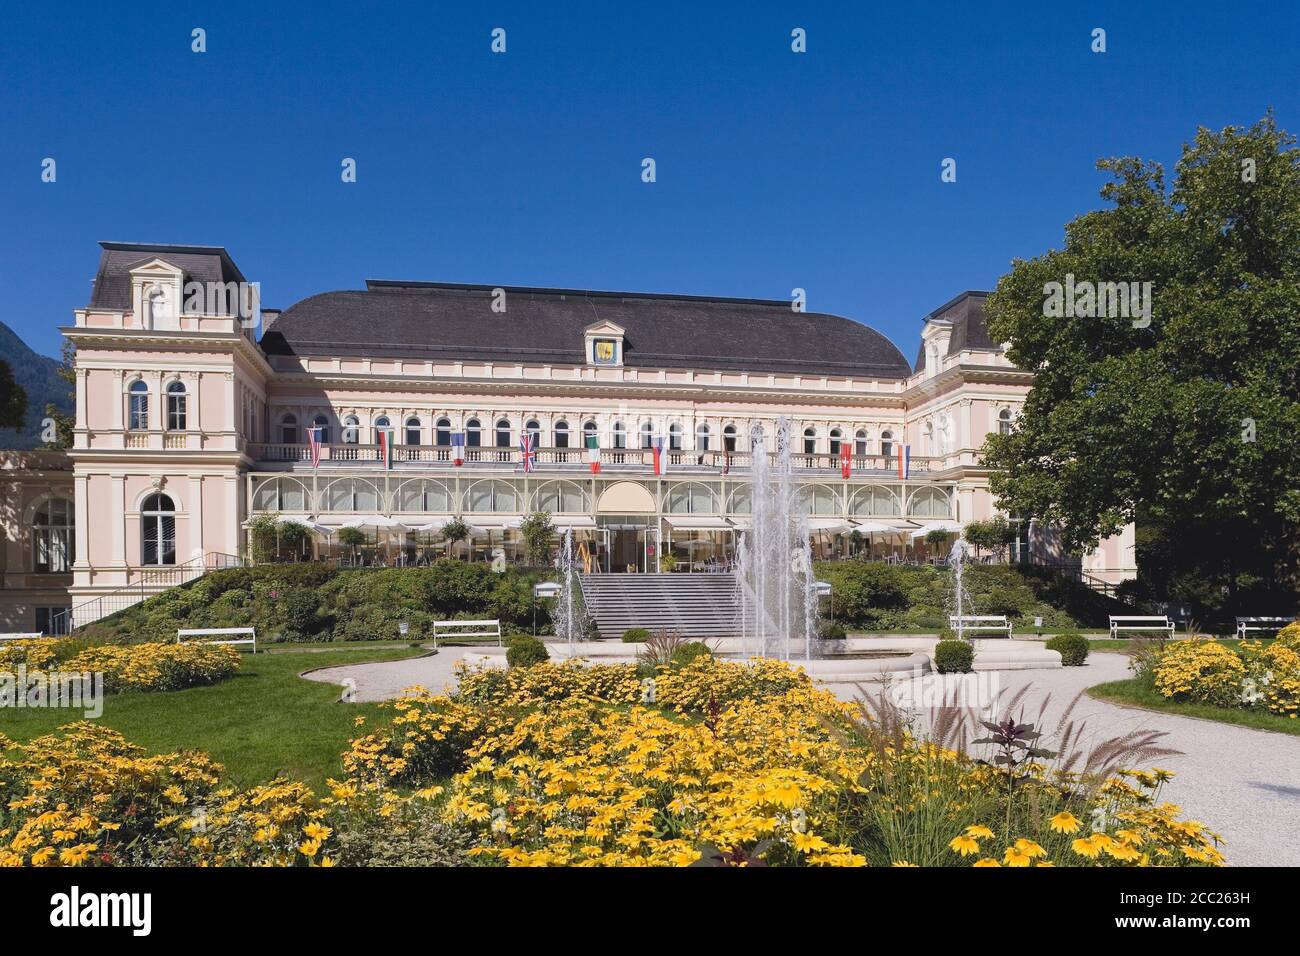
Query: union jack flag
[527, 445]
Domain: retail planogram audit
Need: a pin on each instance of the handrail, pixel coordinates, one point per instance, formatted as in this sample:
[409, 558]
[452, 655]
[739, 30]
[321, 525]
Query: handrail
[145, 586]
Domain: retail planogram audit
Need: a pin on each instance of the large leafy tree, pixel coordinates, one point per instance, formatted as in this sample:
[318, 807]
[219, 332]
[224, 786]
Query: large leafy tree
[1188, 425]
[13, 400]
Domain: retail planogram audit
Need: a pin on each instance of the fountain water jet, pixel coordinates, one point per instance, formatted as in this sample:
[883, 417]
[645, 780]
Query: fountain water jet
[567, 612]
[956, 558]
[776, 590]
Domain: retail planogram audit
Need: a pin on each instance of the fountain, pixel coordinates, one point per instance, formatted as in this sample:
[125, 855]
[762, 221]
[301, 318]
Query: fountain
[956, 558]
[568, 612]
[776, 591]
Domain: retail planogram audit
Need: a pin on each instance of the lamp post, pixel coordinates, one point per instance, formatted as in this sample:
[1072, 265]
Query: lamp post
[542, 589]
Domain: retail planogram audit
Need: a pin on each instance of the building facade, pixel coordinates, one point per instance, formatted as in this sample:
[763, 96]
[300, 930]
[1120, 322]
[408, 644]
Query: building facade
[630, 418]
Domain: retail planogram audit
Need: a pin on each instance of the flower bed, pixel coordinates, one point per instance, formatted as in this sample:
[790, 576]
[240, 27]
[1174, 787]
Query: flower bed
[152, 667]
[711, 762]
[1255, 676]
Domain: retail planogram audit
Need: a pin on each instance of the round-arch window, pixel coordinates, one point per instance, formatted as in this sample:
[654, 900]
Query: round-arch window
[138, 406]
[810, 441]
[322, 425]
[860, 442]
[289, 429]
[887, 443]
[729, 438]
[620, 435]
[503, 433]
[412, 431]
[176, 407]
[158, 530]
[473, 433]
[561, 434]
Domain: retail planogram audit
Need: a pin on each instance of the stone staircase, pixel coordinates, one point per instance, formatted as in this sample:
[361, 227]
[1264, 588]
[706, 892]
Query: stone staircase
[692, 605]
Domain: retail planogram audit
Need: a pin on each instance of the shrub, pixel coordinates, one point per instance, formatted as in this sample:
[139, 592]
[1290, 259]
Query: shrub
[689, 652]
[1289, 636]
[298, 614]
[954, 657]
[828, 630]
[525, 651]
[1073, 648]
[636, 635]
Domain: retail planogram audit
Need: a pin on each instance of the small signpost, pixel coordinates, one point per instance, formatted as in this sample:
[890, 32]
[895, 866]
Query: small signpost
[543, 589]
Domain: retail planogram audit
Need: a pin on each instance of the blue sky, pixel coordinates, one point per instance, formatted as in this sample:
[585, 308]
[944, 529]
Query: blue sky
[775, 170]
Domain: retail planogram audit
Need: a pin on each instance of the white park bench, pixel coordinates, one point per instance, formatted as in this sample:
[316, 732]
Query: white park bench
[228, 635]
[981, 622]
[444, 629]
[1138, 623]
[29, 636]
[1245, 624]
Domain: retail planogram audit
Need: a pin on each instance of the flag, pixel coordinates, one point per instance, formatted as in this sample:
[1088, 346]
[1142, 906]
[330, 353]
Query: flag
[458, 448]
[846, 459]
[529, 451]
[593, 454]
[386, 446]
[726, 462]
[313, 439]
[904, 462]
[660, 448]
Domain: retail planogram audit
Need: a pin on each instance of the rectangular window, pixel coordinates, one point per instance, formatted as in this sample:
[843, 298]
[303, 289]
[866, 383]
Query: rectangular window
[139, 417]
[176, 413]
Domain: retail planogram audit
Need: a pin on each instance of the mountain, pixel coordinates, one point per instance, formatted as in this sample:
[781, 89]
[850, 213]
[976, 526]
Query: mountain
[38, 375]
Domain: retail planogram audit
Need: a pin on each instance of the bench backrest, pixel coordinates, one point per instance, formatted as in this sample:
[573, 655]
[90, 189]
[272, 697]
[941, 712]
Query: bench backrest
[31, 636]
[1157, 619]
[998, 618]
[1264, 620]
[476, 629]
[246, 635]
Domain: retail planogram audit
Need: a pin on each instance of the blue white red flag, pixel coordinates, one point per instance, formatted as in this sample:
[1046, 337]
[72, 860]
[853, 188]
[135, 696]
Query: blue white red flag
[660, 448]
[528, 448]
[458, 448]
[904, 462]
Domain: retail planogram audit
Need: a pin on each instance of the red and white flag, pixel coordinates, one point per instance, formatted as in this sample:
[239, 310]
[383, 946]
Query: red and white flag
[846, 460]
[313, 439]
[593, 454]
[660, 448]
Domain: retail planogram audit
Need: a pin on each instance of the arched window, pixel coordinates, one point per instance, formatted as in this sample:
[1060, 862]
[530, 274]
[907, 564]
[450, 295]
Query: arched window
[590, 431]
[413, 429]
[675, 436]
[534, 428]
[561, 434]
[875, 501]
[810, 441]
[620, 435]
[352, 495]
[289, 429]
[741, 502]
[473, 433]
[562, 497]
[158, 530]
[1004, 422]
[694, 497]
[929, 503]
[647, 435]
[860, 442]
[54, 537]
[351, 430]
[280, 494]
[442, 432]
[381, 424]
[176, 407]
[503, 433]
[423, 494]
[817, 500]
[491, 495]
[729, 438]
[138, 407]
[836, 437]
[323, 423]
[927, 439]
[702, 437]
[887, 443]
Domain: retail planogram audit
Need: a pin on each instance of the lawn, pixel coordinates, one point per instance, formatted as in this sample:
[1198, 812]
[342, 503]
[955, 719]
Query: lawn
[264, 721]
[1133, 693]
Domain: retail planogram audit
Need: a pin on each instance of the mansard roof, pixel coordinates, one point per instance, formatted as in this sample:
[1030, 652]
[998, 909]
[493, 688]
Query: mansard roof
[112, 285]
[540, 325]
[969, 329]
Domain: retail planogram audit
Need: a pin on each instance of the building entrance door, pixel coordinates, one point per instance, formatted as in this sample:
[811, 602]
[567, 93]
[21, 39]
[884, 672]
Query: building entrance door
[627, 550]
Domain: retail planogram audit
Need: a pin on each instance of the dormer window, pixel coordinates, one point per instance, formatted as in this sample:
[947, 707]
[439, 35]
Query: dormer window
[604, 344]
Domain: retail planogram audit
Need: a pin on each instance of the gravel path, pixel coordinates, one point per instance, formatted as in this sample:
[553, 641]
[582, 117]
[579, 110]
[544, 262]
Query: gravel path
[1243, 783]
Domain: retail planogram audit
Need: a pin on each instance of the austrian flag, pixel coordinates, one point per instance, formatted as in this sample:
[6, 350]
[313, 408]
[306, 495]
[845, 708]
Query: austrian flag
[593, 454]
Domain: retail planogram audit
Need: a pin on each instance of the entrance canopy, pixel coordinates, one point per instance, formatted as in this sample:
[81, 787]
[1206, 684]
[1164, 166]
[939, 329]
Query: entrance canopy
[698, 523]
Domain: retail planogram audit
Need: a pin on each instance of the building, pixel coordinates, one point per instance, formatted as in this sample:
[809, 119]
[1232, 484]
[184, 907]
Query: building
[636, 410]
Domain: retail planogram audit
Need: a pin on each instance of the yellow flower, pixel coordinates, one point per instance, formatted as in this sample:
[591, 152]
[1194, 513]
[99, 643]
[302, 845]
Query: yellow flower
[986, 861]
[1015, 856]
[1087, 846]
[317, 832]
[979, 832]
[1064, 822]
[964, 845]
[309, 847]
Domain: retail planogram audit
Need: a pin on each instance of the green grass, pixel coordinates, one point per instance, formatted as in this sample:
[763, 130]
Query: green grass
[1134, 693]
[1126, 645]
[264, 721]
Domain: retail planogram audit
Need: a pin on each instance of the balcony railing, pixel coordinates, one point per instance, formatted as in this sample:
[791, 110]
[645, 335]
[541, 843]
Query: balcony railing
[631, 459]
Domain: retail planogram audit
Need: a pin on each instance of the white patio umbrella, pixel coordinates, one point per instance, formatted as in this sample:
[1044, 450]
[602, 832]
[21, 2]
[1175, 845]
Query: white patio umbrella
[952, 527]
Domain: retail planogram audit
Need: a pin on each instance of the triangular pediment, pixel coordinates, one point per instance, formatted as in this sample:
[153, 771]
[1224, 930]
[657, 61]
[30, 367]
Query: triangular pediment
[154, 267]
[604, 327]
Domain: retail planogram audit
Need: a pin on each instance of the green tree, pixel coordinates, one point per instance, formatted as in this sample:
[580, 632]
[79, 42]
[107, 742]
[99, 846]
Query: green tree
[453, 532]
[1182, 418]
[13, 400]
[538, 533]
[64, 424]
